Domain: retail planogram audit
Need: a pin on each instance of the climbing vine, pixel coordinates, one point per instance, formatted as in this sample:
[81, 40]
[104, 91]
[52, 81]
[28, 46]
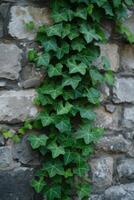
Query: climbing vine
[70, 91]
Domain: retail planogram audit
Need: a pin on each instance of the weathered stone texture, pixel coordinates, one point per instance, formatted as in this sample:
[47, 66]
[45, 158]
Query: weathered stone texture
[126, 169]
[22, 15]
[95, 197]
[10, 57]
[16, 106]
[127, 57]
[124, 90]
[5, 157]
[102, 172]
[128, 120]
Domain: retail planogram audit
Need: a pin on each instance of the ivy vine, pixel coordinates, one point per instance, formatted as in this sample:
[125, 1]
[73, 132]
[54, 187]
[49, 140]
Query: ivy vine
[70, 92]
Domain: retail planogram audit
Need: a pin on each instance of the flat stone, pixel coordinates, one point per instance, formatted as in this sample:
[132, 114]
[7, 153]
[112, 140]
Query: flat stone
[121, 192]
[102, 172]
[22, 15]
[5, 157]
[124, 90]
[107, 120]
[110, 51]
[114, 144]
[24, 153]
[15, 184]
[127, 57]
[16, 106]
[128, 117]
[10, 57]
[126, 168]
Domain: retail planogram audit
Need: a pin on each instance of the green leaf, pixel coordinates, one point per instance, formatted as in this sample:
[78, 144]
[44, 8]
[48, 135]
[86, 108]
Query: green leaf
[108, 9]
[105, 62]
[85, 132]
[68, 173]
[38, 185]
[63, 50]
[61, 109]
[66, 30]
[54, 168]
[54, 30]
[109, 78]
[93, 95]
[71, 81]
[76, 68]
[50, 45]
[81, 169]
[89, 33]
[81, 13]
[37, 141]
[55, 70]
[63, 124]
[87, 113]
[7, 134]
[56, 150]
[59, 16]
[32, 54]
[43, 60]
[53, 192]
[68, 157]
[78, 45]
[84, 190]
[96, 76]
[30, 25]
[73, 32]
[45, 118]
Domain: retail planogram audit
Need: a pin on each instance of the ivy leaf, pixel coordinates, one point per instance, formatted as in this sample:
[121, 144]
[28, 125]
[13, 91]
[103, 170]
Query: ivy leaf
[50, 45]
[72, 81]
[93, 95]
[32, 55]
[45, 118]
[89, 33]
[66, 30]
[68, 157]
[105, 62]
[68, 173]
[56, 150]
[43, 60]
[96, 76]
[81, 169]
[53, 192]
[43, 100]
[84, 132]
[54, 168]
[55, 70]
[63, 50]
[37, 141]
[54, 30]
[38, 185]
[73, 32]
[117, 3]
[59, 16]
[68, 95]
[63, 124]
[84, 190]
[109, 78]
[76, 68]
[61, 109]
[78, 45]
[81, 13]
[87, 113]
[108, 9]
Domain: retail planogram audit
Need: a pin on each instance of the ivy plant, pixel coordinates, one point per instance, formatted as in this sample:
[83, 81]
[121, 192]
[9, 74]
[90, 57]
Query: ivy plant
[70, 92]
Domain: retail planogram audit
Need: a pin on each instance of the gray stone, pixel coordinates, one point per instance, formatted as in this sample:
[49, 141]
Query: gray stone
[126, 168]
[121, 192]
[5, 157]
[22, 15]
[127, 57]
[10, 57]
[15, 184]
[1, 140]
[110, 51]
[128, 120]
[107, 120]
[24, 153]
[104, 92]
[110, 108]
[124, 90]
[1, 27]
[95, 197]
[129, 23]
[16, 106]
[31, 83]
[114, 144]
[102, 171]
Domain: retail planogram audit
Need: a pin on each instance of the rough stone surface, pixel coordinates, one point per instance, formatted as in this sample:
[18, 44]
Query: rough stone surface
[15, 184]
[114, 144]
[130, 22]
[10, 57]
[102, 171]
[126, 168]
[110, 108]
[21, 15]
[128, 117]
[5, 157]
[121, 192]
[16, 106]
[95, 197]
[1, 140]
[127, 57]
[124, 90]
[107, 120]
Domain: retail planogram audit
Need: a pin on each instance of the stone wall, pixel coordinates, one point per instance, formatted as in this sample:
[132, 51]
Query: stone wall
[112, 166]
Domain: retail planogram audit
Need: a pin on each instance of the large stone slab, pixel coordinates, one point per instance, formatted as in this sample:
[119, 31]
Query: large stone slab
[128, 120]
[10, 57]
[22, 15]
[16, 106]
[15, 184]
[124, 90]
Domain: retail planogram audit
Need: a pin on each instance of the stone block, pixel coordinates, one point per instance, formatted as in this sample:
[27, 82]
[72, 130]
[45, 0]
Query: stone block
[102, 172]
[17, 106]
[6, 160]
[125, 168]
[124, 90]
[22, 15]
[128, 118]
[10, 57]
[127, 57]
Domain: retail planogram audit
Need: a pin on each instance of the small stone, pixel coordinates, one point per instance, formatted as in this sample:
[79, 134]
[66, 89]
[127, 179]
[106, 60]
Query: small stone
[110, 108]
[5, 157]
[107, 120]
[124, 90]
[104, 92]
[10, 57]
[128, 120]
[102, 171]
[126, 169]
[114, 144]
[22, 15]
[95, 197]
[127, 57]
[121, 192]
[16, 106]
[16, 184]
[31, 83]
